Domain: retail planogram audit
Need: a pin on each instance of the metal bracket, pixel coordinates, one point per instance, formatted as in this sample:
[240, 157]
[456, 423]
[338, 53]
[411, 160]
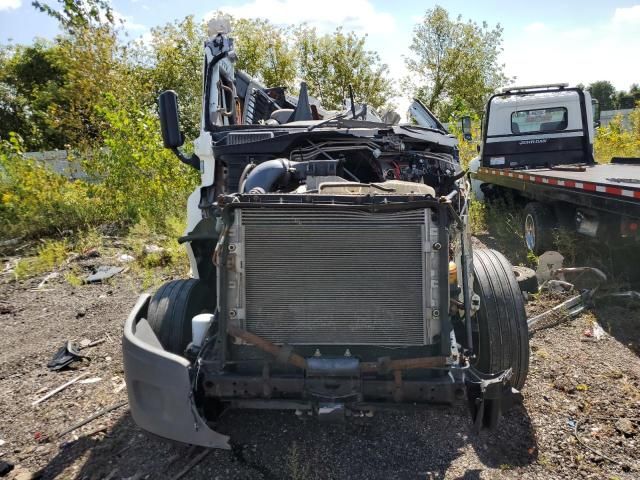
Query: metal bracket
[489, 395]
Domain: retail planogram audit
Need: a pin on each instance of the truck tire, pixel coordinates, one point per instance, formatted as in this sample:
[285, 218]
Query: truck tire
[172, 308]
[538, 226]
[526, 278]
[502, 338]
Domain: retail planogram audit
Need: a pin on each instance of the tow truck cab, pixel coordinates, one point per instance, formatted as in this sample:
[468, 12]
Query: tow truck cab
[547, 131]
[537, 127]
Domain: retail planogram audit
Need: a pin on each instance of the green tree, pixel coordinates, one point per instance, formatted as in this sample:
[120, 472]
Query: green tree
[78, 14]
[175, 62]
[628, 99]
[604, 92]
[265, 51]
[454, 64]
[30, 81]
[330, 63]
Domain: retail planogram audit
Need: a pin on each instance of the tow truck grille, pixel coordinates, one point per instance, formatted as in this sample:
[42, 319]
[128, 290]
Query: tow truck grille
[320, 276]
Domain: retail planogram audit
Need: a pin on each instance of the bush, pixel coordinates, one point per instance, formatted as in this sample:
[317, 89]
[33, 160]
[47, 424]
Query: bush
[49, 255]
[142, 179]
[134, 178]
[35, 201]
[615, 141]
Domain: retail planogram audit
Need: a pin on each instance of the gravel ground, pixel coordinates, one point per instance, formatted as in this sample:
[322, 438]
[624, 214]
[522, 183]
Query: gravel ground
[596, 384]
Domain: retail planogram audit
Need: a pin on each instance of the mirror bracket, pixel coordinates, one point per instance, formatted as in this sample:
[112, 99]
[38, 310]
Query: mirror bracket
[192, 160]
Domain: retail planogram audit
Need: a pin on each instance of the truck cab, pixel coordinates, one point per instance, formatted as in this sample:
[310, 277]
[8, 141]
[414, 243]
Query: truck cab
[538, 126]
[537, 148]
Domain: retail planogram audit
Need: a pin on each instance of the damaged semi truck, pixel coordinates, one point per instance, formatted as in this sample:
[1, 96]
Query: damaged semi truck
[332, 270]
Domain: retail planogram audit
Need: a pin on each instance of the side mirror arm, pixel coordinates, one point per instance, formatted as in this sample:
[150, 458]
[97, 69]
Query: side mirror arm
[192, 160]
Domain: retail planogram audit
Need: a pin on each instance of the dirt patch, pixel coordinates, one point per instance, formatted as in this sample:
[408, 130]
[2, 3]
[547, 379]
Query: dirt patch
[593, 383]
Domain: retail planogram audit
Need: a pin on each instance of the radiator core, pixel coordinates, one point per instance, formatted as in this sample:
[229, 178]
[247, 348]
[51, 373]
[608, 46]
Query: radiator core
[323, 276]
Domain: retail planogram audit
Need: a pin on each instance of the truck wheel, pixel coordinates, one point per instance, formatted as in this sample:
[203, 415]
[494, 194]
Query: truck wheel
[526, 278]
[172, 308]
[539, 223]
[501, 338]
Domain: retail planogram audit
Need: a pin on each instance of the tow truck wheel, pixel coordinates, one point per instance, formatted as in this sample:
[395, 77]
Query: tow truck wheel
[501, 338]
[172, 308]
[539, 223]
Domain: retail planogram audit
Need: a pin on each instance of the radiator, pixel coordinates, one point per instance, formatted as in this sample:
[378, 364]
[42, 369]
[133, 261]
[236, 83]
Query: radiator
[325, 277]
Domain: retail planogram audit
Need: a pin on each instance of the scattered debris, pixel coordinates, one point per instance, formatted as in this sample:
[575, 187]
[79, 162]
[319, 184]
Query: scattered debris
[574, 305]
[86, 343]
[59, 389]
[558, 286]
[197, 459]
[567, 309]
[547, 263]
[98, 414]
[625, 426]
[594, 333]
[151, 248]
[90, 253]
[5, 467]
[526, 277]
[126, 258]
[47, 278]
[120, 387]
[600, 454]
[102, 273]
[6, 308]
[87, 381]
[65, 356]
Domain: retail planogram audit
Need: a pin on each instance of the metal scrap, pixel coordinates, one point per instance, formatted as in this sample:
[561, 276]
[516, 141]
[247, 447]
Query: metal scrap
[197, 459]
[100, 413]
[103, 273]
[59, 389]
[576, 304]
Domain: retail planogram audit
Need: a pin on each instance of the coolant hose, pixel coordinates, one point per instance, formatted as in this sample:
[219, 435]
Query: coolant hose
[264, 177]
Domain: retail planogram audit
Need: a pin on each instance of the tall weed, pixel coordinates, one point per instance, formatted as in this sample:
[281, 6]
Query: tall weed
[613, 140]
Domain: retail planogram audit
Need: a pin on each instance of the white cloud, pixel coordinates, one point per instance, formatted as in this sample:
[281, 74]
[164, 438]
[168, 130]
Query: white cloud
[10, 4]
[627, 15]
[605, 50]
[354, 15]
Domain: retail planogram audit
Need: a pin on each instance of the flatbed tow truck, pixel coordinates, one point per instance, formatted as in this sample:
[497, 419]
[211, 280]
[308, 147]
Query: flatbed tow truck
[537, 146]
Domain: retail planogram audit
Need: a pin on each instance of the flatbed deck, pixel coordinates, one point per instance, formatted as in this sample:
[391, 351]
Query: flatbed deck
[613, 188]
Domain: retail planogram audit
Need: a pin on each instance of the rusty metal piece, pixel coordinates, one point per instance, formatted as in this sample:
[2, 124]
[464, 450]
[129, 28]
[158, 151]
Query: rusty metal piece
[265, 345]
[559, 273]
[404, 364]
[381, 366]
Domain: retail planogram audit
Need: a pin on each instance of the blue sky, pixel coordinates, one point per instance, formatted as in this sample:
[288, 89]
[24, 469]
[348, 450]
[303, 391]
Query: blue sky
[544, 41]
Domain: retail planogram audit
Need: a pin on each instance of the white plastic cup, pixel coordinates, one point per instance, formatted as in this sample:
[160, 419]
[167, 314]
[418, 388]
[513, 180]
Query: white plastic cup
[199, 326]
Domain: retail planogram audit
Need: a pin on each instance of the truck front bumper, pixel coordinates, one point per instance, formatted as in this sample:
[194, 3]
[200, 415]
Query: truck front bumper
[159, 386]
[160, 389]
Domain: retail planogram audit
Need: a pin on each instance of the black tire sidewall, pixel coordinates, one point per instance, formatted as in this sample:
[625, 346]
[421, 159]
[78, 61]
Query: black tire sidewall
[503, 339]
[173, 306]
